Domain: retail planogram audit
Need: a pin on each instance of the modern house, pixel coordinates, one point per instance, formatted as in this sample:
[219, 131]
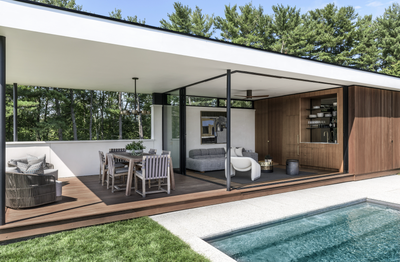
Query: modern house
[339, 122]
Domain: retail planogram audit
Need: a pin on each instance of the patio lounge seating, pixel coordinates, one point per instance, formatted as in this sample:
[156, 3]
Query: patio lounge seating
[30, 190]
[212, 159]
[154, 167]
[48, 167]
[244, 164]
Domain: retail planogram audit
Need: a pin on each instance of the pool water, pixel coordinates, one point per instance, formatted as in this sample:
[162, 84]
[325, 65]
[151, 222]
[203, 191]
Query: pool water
[361, 232]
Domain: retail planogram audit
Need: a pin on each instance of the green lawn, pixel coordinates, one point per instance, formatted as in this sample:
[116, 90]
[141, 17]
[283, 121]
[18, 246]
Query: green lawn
[139, 239]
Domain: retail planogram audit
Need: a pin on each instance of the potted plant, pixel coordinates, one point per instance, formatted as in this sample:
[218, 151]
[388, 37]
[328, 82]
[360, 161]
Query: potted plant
[135, 147]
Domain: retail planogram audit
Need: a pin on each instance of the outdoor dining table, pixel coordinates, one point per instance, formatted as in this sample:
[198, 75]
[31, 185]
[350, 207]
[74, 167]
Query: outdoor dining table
[132, 160]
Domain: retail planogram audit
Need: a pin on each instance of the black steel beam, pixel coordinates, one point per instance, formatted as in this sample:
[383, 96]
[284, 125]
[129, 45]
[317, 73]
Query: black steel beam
[228, 130]
[15, 98]
[345, 129]
[182, 131]
[2, 130]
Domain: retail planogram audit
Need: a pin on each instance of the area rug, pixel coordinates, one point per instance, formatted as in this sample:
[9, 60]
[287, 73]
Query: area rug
[245, 177]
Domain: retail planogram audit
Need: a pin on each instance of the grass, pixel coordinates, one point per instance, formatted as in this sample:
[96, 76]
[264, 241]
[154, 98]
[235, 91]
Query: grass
[140, 239]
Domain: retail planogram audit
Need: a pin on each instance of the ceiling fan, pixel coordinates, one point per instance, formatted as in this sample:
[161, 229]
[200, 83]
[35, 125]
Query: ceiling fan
[249, 95]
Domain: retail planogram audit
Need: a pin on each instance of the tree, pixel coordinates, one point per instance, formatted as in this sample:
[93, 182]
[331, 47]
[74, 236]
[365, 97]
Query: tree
[117, 14]
[180, 20]
[70, 4]
[185, 21]
[285, 22]
[334, 34]
[388, 36]
[251, 27]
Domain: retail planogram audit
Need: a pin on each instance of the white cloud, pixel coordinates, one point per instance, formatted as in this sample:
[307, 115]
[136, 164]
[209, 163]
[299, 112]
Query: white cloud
[357, 7]
[375, 4]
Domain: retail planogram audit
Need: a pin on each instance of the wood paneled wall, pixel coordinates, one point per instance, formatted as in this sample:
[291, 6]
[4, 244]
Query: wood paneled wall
[278, 132]
[374, 136]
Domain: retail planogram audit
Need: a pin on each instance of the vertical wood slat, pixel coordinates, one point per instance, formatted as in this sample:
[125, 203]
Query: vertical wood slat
[284, 116]
[372, 128]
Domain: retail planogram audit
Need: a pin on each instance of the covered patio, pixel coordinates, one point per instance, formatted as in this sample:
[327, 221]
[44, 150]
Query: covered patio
[102, 53]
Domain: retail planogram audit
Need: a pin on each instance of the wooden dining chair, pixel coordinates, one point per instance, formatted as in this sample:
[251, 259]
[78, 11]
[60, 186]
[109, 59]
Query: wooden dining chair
[154, 167]
[116, 150]
[104, 168]
[113, 172]
[152, 151]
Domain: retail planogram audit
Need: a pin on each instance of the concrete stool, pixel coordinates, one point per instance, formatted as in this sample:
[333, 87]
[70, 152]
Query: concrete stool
[292, 167]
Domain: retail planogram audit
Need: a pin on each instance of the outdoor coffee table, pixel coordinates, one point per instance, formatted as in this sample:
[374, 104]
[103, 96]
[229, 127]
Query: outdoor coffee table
[132, 160]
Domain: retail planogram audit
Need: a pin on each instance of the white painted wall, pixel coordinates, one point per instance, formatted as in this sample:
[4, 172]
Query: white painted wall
[81, 158]
[243, 128]
[71, 158]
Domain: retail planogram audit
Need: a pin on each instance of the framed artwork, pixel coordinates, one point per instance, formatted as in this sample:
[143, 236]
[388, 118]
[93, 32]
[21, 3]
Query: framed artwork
[213, 127]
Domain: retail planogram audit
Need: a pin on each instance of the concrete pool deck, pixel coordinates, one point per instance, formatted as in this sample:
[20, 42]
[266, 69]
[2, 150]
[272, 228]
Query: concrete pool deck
[193, 225]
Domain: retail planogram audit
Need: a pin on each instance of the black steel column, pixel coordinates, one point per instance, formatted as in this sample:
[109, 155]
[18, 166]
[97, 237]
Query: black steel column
[15, 97]
[2, 130]
[346, 129]
[228, 129]
[182, 129]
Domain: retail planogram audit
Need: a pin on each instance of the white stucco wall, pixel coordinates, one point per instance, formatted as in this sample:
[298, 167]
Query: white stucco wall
[81, 158]
[243, 128]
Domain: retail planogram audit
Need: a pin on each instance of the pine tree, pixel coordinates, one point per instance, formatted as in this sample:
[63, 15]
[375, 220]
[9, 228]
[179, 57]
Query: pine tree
[285, 23]
[180, 20]
[201, 24]
[251, 27]
[388, 36]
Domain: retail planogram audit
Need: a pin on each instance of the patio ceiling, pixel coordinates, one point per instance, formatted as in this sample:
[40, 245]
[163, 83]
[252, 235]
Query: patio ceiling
[58, 48]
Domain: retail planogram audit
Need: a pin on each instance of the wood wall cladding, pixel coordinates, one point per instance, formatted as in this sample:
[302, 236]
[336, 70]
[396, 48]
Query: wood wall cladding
[279, 121]
[374, 121]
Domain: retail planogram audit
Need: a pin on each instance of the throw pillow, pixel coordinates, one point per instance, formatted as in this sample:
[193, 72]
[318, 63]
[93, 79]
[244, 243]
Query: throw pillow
[239, 151]
[35, 169]
[13, 162]
[34, 160]
[22, 166]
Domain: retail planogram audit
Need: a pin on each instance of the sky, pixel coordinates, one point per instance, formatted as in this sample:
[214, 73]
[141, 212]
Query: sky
[154, 11]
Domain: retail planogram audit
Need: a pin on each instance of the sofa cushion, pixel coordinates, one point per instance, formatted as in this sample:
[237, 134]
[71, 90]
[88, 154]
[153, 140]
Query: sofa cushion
[13, 162]
[30, 169]
[217, 156]
[204, 152]
[34, 160]
[200, 157]
[194, 152]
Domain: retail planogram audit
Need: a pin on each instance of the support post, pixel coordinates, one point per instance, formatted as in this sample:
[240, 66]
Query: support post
[346, 129]
[182, 131]
[2, 130]
[228, 130]
[15, 98]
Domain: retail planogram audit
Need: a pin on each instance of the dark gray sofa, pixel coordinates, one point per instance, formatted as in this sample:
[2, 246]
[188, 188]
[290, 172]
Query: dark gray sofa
[210, 159]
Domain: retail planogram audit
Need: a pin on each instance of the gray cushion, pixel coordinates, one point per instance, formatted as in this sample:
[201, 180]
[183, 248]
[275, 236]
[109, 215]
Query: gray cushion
[51, 172]
[216, 156]
[13, 162]
[200, 157]
[204, 152]
[194, 152]
[34, 160]
[212, 151]
[30, 169]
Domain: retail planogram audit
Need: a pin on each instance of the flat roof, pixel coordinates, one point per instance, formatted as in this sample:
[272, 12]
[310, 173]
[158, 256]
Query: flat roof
[56, 47]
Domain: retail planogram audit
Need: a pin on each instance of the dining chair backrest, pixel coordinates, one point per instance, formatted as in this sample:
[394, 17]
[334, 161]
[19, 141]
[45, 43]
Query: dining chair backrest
[152, 151]
[155, 166]
[166, 153]
[111, 164]
[101, 156]
[114, 150]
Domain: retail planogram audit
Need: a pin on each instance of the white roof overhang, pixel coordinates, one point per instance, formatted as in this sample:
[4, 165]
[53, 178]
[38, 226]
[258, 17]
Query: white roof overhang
[58, 48]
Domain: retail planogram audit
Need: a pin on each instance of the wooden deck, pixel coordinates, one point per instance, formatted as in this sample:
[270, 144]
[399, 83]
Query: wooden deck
[85, 202]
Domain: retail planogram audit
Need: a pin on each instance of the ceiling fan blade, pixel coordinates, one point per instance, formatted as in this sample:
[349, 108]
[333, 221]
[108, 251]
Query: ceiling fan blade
[261, 96]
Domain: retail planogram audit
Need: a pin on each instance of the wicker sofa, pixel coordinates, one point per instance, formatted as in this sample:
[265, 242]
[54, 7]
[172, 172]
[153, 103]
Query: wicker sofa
[30, 190]
[211, 159]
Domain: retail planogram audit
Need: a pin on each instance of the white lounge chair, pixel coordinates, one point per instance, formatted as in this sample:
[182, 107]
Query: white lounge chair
[244, 164]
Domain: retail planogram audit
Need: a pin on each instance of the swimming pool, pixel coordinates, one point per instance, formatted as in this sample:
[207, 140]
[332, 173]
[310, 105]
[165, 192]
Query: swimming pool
[360, 232]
